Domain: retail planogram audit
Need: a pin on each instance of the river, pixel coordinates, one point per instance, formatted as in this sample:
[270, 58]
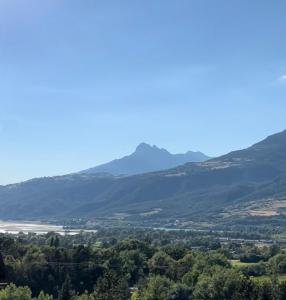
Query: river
[38, 228]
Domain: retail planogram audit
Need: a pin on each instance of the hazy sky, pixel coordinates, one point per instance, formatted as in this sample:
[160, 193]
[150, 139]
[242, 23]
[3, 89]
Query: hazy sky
[83, 82]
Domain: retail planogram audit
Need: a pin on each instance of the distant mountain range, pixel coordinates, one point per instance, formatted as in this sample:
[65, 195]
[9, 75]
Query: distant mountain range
[243, 184]
[145, 159]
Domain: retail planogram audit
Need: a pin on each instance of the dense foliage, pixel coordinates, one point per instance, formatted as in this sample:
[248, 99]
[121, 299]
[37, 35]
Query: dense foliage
[153, 267]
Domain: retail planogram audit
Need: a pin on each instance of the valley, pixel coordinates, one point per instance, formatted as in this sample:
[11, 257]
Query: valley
[242, 185]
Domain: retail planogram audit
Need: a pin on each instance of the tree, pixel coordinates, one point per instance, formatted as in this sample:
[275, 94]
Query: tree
[177, 251]
[223, 284]
[158, 288]
[162, 264]
[56, 242]
[11, 292]
[2, 269]
[66, 292]
[264, 291]
[85, 296]
[134, 265]
[43, 296]
[179, 292]
[112, 286]
[135, 296]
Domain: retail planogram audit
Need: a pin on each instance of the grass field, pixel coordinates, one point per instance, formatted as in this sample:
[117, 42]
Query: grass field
[237, 263]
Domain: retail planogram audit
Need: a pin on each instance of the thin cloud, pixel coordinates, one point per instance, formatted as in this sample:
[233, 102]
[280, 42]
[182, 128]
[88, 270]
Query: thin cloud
[279, 81]
[282, 78]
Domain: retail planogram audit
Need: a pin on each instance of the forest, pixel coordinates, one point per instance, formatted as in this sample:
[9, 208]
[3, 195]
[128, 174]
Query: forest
[139, 265]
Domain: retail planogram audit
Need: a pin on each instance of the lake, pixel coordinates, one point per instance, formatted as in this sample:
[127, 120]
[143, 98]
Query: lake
[38, 228]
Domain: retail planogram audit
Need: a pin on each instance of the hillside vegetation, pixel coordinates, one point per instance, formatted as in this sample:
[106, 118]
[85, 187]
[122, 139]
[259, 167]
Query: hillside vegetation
[237, 185]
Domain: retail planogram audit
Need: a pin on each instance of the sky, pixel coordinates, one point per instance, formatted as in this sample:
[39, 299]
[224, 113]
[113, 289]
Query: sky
[84, 82]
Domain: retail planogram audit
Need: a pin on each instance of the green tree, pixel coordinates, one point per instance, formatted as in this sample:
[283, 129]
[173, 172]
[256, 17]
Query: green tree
[158, 288]
[223, 284]
[66, 292]
[162, 264]
[134, 265]
[43, 296]
[11, 292]
[112, 286]
[2, 269]
[179, 292]
[135, 296]
[85, 296]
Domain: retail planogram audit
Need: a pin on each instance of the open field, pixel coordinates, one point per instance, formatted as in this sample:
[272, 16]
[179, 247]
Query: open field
[237, 263]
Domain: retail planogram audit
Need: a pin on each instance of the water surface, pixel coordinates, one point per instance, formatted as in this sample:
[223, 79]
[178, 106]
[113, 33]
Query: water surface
[38, 228]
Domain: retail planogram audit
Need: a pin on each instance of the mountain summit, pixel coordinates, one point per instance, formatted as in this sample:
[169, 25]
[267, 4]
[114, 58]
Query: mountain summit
[146, 158]
[248, 183]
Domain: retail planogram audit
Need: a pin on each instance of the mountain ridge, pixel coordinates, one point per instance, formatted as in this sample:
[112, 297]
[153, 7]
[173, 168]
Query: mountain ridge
[194, 192]
[144, 159]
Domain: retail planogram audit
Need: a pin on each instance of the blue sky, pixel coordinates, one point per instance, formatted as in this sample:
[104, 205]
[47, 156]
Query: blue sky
[83, 82]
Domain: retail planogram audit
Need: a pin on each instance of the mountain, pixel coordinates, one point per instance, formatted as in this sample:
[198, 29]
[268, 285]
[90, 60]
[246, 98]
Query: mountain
[145, 159]
[241, 184]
